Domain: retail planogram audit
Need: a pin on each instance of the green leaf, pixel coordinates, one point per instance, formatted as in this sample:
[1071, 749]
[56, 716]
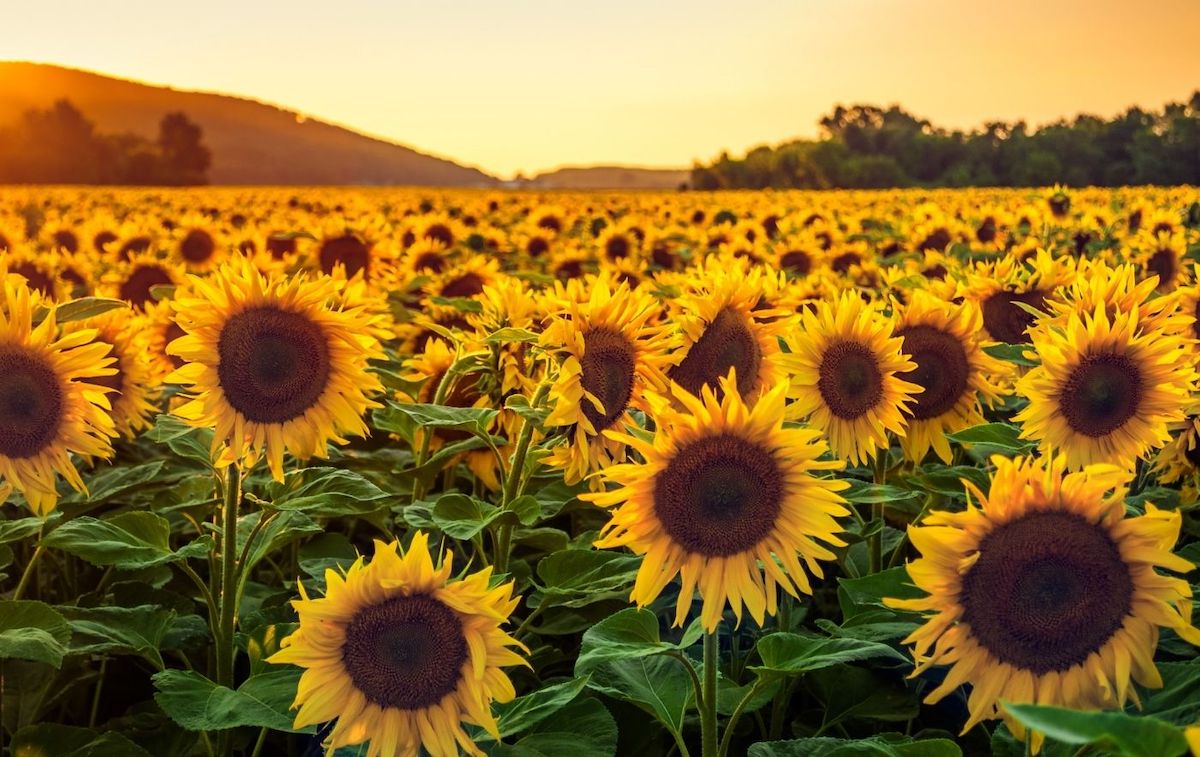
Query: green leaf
[626, 635]
[198, 704]
[580, 577]
[1117, 732]
[793, 654]
[582, 728]
[127, 630]
[55, 740]
[185, 441]
[987, 438]
[507, 335]
[1011, 353]
[847, 692]
[884, 745]
[526, 711]
[858, 595]
[865, 493]
[283, 529]
[86, 307]
[462, 516]
[127, 541]
[326, 493]
[474, 420]
[1176, 702]
[112, 482]
[659, 685]
[33, 631]
[18, 529]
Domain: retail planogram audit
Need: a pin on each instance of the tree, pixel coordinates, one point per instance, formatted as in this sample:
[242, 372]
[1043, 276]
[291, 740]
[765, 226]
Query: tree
[183, 151]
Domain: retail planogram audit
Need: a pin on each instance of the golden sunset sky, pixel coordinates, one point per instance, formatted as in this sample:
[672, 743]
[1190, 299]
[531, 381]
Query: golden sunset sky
[527, 85]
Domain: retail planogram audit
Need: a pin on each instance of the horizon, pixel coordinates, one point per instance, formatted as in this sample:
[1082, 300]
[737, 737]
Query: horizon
[660, 111]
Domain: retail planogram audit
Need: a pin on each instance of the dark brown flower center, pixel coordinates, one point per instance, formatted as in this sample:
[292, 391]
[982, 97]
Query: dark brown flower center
[537, 246]
[1164, 265]
[986, 233]
[197, 246]
[842, 263]
[66, 239]
[942, 369]
[280, 246]
[1005, 320]
[1049, 589]
[467, 285]
[608, 370]
[936, 240]
[406, 653]
[274, 364]
[1101, 394]
[431, 262]
[35, 278]
[728, 342]
[796, 261]
[617, 247]
[1060, 205]
[719, 496]
[133, 246]
[850, 381]
[441, 233]
[349, 251]
[136, 287]
[31, 403]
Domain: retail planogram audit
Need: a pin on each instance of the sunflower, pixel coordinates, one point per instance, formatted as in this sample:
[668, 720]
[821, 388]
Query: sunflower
[38, 270]
[1162, 255]
[1058, 201]
[945, 342]
[1104, 392]
[402, 654]
[135, 279]
[134, 386]
[726, 499]
[1006, 288]
[1046, 592]
[271, 365]
[722, 327]
[844, 362]
[159, 330]
[613, 353]
[48, 409]
[199, 247]
[1179, 459]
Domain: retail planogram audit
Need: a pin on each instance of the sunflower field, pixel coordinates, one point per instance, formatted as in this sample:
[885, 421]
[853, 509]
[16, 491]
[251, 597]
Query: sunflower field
[398, 472]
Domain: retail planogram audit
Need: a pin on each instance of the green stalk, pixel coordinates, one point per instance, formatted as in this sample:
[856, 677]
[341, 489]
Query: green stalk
[224, 635]
[513, 483]
[875, 543]
[708, 707]
[29, 571]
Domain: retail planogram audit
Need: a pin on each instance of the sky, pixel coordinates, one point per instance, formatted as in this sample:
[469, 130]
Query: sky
[529, 85]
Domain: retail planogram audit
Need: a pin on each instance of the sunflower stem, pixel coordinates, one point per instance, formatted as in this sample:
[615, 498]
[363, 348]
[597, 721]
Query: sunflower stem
[708, 706]
[875, 543]
[27, 574]
[227, 649]
[513, 482]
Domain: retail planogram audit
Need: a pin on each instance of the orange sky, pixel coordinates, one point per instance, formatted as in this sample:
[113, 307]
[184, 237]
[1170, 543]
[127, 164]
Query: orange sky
[526, 85]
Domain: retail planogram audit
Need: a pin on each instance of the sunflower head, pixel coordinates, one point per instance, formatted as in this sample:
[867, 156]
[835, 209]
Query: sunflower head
[272, 365]
[1044, 591]
[727, 499]
[402, 654]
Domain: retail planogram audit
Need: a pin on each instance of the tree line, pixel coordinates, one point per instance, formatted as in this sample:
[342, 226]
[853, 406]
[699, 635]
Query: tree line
[865, 146]
[59, 145]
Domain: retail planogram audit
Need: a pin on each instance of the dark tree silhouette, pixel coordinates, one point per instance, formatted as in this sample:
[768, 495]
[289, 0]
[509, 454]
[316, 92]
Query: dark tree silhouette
[865, 146]
[60, 145]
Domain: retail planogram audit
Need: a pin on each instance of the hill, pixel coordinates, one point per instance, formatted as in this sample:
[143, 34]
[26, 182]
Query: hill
[609, 177]
[251, 142]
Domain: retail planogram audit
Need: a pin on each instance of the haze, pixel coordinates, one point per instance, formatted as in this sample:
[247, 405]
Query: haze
[529, 85]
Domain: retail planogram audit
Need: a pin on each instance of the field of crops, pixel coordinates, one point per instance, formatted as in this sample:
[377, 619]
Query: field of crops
[400, 472]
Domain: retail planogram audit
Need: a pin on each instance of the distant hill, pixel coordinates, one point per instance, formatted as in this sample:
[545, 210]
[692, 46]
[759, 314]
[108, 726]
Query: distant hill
[609, 177]
[251, 142]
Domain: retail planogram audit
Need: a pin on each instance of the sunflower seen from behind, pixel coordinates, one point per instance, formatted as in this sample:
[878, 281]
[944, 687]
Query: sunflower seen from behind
[1105, 390]
[728, 500]
[271, 365]
[845, 363]
[50, 404]
[400, 653]
[613, 354]
[1045, 591]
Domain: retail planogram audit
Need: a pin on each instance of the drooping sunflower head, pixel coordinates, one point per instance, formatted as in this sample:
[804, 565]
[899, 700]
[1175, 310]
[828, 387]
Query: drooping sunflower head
[722, 329]
[49, 407]
[944, 341]
[613, 353]
[402, 654]
[844, 364]
[272, 365]
[1104, 391]
[1045, 591]
[727, 499]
